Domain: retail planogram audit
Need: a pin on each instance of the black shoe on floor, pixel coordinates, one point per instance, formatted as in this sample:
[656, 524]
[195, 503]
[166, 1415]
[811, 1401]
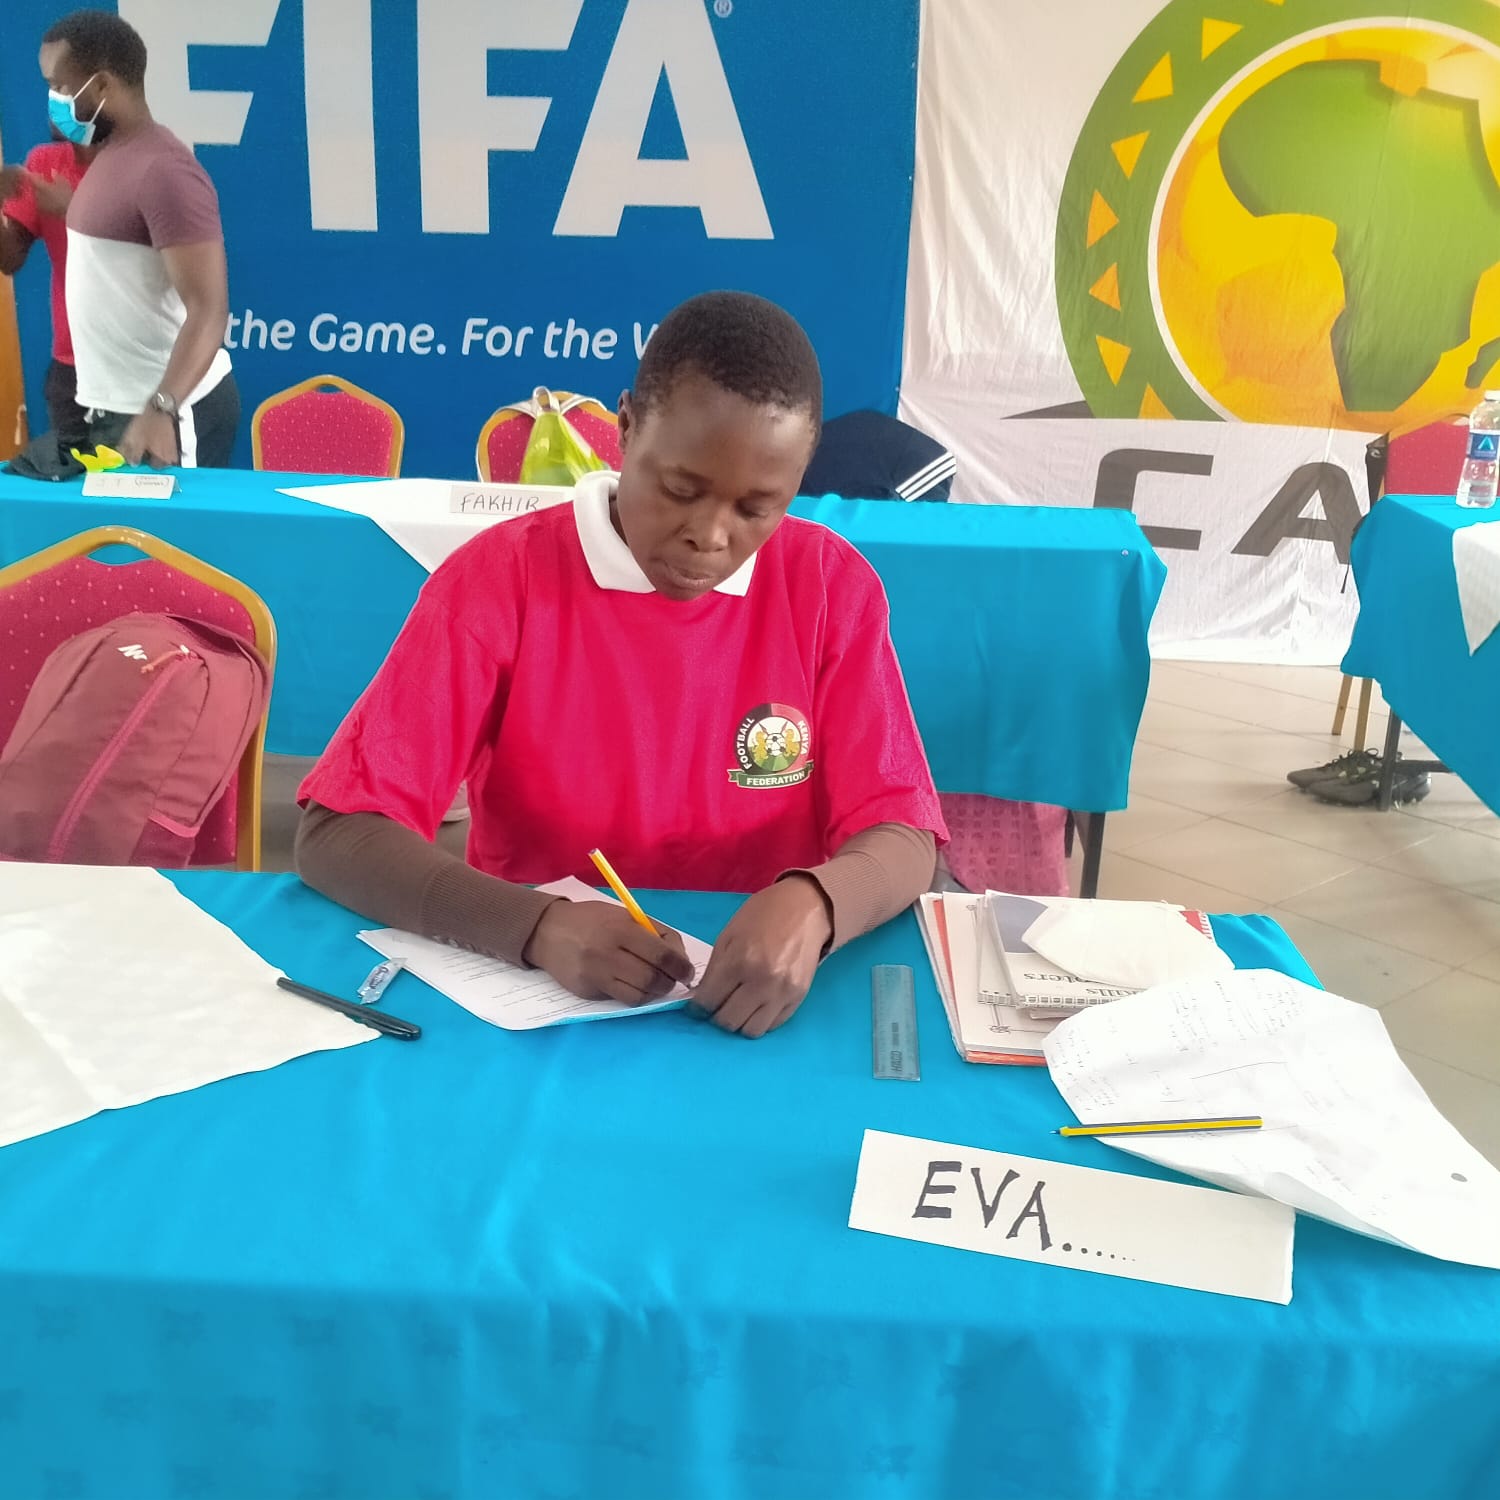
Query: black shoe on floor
[1364, 790]
[1351, 763]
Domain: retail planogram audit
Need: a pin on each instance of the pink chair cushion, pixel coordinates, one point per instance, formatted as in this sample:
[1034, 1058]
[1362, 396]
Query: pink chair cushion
[327, 432]
[1427, 461]
[997, 845]
[38, 614]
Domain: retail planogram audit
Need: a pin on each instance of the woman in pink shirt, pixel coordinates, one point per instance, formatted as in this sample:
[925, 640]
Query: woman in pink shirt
[670, 669]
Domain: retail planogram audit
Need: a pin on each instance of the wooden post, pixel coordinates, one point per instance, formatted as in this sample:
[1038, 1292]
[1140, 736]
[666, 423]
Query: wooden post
[13, 433]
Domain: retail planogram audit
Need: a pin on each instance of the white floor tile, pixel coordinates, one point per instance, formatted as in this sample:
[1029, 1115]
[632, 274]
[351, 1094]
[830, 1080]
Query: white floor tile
[1442, 925]
[1123, 878]
[1362, 833]
[1358, 967]
[1470, 1104]
[1452, 857]
[1262, 865]
[1146, 818]
[1455, 1020]
[1190, 781]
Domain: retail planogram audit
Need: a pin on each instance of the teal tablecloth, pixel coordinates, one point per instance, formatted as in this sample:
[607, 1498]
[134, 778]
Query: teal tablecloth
[610, 1262]
[1410, 635]
[1022, 631]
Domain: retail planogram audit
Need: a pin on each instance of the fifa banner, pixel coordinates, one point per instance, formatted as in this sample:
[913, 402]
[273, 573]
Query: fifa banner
[451, 202]
[1189, 259]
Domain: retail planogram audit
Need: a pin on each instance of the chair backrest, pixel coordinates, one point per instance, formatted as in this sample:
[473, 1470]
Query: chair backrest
[327, 425]
[1426, 460]
[502, 439]
[51, 596]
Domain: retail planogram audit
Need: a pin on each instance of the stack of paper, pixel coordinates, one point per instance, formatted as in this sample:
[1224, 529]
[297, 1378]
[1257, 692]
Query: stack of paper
[1056, 953]
[1009, 968]
[958, 949]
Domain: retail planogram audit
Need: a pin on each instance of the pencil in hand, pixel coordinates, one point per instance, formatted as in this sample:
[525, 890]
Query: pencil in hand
[620, 889]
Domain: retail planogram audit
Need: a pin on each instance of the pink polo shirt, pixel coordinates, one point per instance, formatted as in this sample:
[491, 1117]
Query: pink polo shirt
[707, 745]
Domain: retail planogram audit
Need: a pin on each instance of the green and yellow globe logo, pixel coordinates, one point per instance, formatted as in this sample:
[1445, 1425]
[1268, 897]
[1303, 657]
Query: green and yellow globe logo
[1289, 211]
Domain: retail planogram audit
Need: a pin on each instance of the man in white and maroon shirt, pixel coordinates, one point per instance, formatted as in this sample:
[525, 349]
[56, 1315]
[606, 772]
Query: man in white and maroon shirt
[147, 285]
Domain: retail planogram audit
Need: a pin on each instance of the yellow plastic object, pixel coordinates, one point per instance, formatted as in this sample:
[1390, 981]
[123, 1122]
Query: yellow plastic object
[555, 452]
[101, 460]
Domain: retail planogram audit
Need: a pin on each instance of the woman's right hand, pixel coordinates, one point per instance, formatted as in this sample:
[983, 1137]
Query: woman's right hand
[598, 951]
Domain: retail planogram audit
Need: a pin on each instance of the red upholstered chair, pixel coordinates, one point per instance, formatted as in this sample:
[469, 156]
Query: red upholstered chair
[51, 596]
[327, 426]
[1426, 461]
[998, 845]
[502, 440]
[1423, 461]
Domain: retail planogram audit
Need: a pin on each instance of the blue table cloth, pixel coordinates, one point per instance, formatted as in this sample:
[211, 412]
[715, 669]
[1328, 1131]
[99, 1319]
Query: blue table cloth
[1410, 635]
[612, 1261]
[1021, 631]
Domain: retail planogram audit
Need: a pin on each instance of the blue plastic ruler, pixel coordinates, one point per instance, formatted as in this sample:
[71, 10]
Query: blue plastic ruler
[893, 1022]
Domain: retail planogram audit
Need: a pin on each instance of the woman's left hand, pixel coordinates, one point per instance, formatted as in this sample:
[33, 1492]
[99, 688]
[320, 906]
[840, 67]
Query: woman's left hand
[765, 959]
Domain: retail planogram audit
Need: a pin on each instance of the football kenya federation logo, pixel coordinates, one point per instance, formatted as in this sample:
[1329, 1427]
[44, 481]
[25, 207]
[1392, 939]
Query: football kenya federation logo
[773, 746]
[1288, 211]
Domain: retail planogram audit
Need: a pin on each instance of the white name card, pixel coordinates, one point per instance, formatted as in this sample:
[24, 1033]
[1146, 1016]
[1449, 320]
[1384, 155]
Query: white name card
[502, 500]
[1025, 1209]
[115, 485]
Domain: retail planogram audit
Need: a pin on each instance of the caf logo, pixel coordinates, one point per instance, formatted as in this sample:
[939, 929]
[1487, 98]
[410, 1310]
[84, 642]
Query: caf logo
[773, 746]
[1289, 217]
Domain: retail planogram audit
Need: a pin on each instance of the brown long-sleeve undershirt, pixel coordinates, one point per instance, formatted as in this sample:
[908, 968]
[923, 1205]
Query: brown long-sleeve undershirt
[388, 873]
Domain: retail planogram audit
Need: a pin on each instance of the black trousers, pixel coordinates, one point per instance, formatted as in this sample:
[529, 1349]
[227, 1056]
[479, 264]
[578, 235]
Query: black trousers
[205, 430]
[65, 416]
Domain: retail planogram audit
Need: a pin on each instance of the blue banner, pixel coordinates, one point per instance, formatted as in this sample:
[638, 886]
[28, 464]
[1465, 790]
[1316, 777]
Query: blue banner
[450, 202]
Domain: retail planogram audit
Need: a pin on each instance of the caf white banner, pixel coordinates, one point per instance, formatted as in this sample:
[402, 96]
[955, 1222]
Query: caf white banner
[1253, 522]
[1255, 237]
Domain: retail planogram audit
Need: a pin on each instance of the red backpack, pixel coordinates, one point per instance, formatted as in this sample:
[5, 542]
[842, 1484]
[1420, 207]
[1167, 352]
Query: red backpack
[130, 734]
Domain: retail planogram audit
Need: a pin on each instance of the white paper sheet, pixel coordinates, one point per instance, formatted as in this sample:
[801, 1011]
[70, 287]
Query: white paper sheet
[115, 989]
[520, 999]
[1349, 1135]
[1057, 1214]
[1476, 563]
[415, 513]
[1134, 944]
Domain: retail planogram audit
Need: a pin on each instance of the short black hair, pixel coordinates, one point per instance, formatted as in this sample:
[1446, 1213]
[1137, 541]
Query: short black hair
[739, 341]
[101, 42]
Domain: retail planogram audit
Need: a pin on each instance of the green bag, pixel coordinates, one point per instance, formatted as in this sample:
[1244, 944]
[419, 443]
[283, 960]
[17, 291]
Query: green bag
[556, 453]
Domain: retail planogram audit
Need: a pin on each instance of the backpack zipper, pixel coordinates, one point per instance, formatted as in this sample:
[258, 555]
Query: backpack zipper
[73, 812]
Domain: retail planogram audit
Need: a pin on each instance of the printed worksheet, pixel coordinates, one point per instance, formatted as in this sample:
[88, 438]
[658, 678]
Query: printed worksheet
[520, 999]
[1349, 1136]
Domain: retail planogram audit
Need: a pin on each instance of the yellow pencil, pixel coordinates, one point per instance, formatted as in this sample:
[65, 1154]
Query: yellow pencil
[619, 888]
[1164, 1127]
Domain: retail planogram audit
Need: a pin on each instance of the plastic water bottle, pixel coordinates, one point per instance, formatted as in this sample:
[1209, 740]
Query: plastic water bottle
[1476, 484]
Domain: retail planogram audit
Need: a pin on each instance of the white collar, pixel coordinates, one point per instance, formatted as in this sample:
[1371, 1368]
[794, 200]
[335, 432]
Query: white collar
[610, 561]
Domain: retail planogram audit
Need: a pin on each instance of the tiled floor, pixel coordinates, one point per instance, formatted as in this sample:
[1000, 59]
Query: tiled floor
[1399, 910]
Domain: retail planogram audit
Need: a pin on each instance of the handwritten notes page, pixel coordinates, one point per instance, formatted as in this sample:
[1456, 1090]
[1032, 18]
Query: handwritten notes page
[519, 999]
[116, 989]
[1349, 1135]
[1057, 1214]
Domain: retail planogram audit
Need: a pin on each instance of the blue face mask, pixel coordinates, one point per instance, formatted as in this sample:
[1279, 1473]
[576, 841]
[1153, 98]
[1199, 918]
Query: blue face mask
[62, 111]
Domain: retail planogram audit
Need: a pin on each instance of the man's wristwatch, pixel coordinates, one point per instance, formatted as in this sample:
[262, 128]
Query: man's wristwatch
[161, 401]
